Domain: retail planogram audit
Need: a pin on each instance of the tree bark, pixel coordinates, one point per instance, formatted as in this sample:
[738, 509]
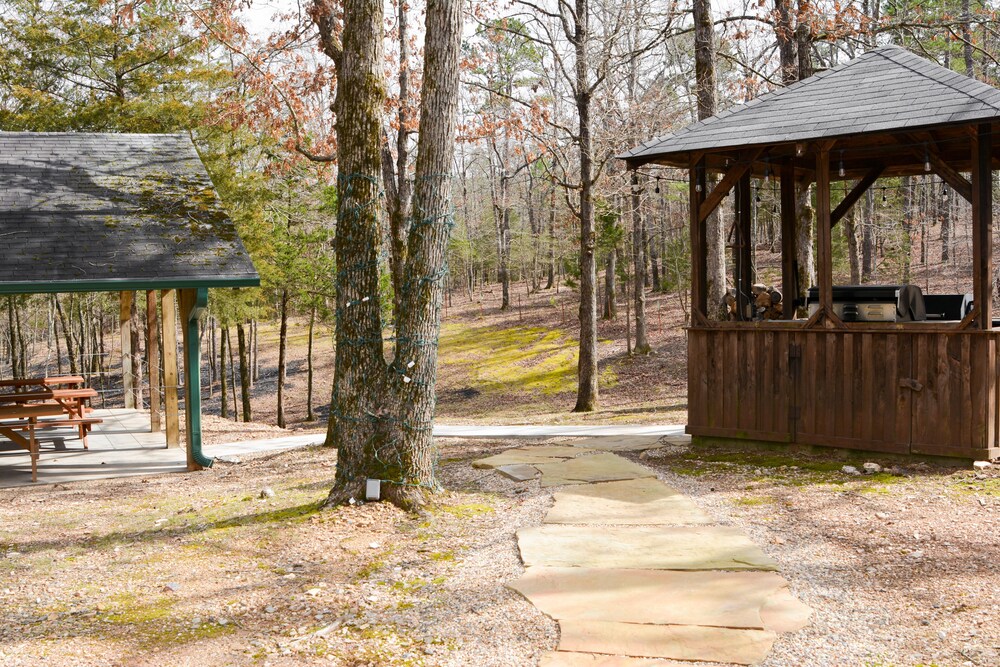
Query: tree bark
[224, 399]
[587, 389]
[66, 333]
[610, 311]
[704, 63]
[282, 353]
[241, 338]
[639, 264]
[381, 415]
[552, 239]
[309, 366]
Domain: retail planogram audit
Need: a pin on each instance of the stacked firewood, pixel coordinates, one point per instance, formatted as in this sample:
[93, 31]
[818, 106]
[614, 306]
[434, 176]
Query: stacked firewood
[766, 303]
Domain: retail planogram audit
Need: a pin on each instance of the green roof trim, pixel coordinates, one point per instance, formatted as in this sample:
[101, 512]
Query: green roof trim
[122, 285]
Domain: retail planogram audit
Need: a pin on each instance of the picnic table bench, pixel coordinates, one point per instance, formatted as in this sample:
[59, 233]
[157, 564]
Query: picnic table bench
[26, 410]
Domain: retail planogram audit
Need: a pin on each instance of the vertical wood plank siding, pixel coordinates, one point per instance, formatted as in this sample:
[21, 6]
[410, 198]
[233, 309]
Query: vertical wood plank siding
[901, 391]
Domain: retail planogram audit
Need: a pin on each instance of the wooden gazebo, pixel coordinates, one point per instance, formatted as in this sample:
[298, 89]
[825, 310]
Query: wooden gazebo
[123, 213]
[904, 387]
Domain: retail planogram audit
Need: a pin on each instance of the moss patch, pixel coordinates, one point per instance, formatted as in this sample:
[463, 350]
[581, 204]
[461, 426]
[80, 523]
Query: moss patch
[532, 359]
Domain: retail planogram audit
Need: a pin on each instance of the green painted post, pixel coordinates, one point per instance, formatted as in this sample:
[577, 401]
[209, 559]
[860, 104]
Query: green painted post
[192, 310]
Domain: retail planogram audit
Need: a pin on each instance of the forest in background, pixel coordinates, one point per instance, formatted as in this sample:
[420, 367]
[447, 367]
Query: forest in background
[534, 211]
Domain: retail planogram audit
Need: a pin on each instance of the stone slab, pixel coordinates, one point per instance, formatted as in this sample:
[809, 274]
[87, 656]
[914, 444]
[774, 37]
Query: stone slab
[644, 501]
[570, 659]
[621, 443]
[602, 467]
[722, 599]
[677, 642]
[641, 547]
[529, 455]
[519, 472]
[783, 612]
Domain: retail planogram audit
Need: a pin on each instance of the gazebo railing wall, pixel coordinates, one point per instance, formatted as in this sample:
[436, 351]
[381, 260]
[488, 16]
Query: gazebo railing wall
[915, 389]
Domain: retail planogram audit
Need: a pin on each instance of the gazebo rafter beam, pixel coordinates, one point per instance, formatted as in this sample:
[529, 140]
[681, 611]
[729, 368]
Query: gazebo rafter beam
[742, 165]
[855, 194]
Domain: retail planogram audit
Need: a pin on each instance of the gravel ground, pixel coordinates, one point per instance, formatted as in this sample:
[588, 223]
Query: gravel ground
[900, 569]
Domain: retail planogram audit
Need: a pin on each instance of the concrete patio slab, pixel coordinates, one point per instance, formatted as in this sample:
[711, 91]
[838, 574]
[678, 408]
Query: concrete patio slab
[678, 642]
[569, 659]
[644, 501]
[722, 599]
[642, 547]
[602, 467]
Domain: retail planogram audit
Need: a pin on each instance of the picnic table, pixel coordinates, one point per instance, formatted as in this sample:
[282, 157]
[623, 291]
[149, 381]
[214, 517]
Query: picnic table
[68, 381]
[27, 411]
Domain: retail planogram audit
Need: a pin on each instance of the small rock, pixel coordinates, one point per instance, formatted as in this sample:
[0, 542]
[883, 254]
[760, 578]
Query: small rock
[982, 502]
[267, 492]
[374, 545]
[850, 470]
[871, 468]
[270, 609]
[915, 554]
[881, 516]
[196, 621]
[982, 465]
[313, 592]
[171, 588]
[289, 576]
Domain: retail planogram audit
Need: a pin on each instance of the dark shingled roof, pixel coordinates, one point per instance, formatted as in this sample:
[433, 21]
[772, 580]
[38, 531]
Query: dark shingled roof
[887, 88]
[112, 211]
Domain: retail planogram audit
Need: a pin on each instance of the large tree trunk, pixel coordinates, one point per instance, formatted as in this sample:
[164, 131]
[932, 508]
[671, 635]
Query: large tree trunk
[552, 239]
[610, 311]
[381, 416]
[587, 391]
[66, 333]
[223, 396]
[241, 338]
[639, 264]
[851, 232]
[309, 366]
[282, 354]
[704, 64]
[868, 238]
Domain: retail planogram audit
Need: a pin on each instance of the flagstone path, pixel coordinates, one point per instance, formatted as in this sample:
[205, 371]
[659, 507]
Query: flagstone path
[634, 572]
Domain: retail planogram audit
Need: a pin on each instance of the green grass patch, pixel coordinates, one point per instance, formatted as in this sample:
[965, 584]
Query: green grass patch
[754, 501]
[466, 511]
[532, 359]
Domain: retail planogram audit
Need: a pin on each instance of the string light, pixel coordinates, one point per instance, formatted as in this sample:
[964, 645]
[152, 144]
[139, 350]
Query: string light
[884, 199]
[657, 188]
[927, 160]
[944, 193]
[841, 170]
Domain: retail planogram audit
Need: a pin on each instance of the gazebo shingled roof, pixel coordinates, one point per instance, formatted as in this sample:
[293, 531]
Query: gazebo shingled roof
[88, 212]
[886, 89]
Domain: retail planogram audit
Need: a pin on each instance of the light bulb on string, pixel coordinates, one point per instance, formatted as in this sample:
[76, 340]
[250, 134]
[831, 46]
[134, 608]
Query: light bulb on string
[657, 188]
[944, 192]
[884, 199]
[840, 171]
[927, 160]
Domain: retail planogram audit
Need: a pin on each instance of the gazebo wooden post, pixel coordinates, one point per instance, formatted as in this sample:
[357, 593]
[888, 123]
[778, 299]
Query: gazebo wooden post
[824, 238]
[789, 276]
[169, 324]
[128, 376]
[744, 252]
[982, 227]
[153, 360]
[193, 304]
[699, 243]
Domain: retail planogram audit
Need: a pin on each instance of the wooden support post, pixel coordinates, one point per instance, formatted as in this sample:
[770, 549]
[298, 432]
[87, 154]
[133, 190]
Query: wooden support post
[187, 302]
[170, 367]
[982, 227]
[743, 254]
[699, 245]
[128, 376]
[824, 239]
[153, 360]
[789, 276]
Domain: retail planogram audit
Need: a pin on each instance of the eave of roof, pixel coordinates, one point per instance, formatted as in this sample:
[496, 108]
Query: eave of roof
[887, 89]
